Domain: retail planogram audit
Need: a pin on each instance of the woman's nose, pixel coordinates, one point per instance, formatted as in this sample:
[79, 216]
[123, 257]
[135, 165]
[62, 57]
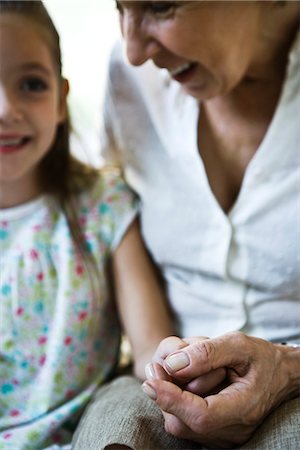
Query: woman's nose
[140, 44]
[9, 110]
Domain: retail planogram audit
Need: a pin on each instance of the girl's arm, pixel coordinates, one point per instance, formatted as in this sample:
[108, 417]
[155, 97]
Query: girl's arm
[142, 307]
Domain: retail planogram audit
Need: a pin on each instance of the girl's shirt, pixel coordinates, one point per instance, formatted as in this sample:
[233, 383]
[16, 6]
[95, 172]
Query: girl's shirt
[58, 341]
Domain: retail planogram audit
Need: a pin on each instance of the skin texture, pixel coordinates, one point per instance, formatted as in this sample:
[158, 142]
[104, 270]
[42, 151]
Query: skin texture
[32, 104]
[239, 54]
[259, 377]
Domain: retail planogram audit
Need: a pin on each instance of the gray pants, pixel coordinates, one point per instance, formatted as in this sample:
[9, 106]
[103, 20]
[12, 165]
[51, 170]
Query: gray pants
[121, 413]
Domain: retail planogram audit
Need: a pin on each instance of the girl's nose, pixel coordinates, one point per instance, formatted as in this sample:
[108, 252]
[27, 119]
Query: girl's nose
[140, 44]
[9, 110]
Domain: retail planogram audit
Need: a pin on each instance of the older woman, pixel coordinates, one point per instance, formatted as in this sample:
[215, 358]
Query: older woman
[208, 133]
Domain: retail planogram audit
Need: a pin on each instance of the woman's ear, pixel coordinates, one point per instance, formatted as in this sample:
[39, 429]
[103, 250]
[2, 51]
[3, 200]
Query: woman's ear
[64, 91]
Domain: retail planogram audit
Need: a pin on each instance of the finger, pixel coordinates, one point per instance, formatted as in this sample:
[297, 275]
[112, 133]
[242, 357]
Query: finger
[155, 371]
[172, 400]
[206, 355]
[194, 339]
[200, 386]
[176, 427]
[168, 345]
[171, 344]
[201, 415]
[217, 420]
[207, 383]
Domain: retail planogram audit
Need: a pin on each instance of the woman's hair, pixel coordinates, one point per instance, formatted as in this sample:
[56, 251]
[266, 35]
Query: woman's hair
[60, 173]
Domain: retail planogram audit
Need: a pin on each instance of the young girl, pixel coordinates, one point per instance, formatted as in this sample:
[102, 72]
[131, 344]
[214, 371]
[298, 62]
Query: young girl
[63, 228]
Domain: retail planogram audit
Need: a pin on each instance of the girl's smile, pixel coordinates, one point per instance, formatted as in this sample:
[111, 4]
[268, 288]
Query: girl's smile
[10, 143]
[32, 105]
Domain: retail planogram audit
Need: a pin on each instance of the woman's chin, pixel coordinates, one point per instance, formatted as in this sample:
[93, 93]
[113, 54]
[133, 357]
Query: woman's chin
[203, 92]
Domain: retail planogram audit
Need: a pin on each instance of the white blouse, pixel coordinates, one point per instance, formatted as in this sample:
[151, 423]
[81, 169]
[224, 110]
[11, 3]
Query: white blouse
[223, 272]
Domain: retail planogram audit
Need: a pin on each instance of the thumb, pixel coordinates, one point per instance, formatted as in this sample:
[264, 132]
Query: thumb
[204, 356]
[172, 400]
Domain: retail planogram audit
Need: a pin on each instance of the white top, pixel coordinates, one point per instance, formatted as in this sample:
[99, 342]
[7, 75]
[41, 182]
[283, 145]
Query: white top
[58, 340]
[239, 271]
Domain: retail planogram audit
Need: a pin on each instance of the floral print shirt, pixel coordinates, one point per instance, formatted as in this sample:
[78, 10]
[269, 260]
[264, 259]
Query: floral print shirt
[58, 341]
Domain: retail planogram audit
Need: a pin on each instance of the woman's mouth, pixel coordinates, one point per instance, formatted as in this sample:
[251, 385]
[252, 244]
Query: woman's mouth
[10, 144]
[183, 73]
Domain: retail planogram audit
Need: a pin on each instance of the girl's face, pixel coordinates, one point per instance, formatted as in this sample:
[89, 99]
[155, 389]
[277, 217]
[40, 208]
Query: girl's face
[32, 102]
[207, 46]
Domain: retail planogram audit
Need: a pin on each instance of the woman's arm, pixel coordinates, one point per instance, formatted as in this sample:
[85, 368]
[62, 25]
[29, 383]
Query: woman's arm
[142, 307]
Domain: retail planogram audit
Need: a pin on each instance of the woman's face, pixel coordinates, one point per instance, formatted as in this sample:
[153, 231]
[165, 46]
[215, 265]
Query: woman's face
[207, 46]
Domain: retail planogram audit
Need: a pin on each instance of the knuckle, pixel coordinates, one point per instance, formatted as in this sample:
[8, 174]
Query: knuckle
[241, 341]
[169, 403]
[238, 336]
[201, 424]
[252, 418]
[173, 426]
[206, 351]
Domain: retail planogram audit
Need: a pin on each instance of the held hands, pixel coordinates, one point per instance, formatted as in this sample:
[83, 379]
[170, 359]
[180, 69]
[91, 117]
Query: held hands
[217, 391]
[167, 362]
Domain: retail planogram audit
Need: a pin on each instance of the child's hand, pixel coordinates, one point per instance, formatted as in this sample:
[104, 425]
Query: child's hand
[162, 367]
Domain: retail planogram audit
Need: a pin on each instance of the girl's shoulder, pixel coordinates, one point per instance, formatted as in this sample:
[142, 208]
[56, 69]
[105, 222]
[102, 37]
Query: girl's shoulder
[89, 185]
[108, 185]
[107, 208]
[108, 195]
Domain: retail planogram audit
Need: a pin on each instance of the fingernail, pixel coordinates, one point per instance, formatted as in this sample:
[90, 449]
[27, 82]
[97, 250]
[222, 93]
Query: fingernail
[149, 371]
[177, 361]
[149, 391]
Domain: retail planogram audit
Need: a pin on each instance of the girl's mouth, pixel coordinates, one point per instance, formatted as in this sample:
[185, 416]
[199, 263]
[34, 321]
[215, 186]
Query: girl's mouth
[10, 144]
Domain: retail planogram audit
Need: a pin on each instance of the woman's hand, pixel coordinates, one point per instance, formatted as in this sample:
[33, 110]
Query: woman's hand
[260, 376]
[200, 384]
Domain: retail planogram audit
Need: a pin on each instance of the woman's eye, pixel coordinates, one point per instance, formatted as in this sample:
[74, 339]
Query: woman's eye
[155, 8]
[34, 84]
[161, 8]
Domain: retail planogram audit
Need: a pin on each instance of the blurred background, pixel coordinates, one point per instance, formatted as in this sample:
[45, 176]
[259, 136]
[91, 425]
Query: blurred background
[88, 29]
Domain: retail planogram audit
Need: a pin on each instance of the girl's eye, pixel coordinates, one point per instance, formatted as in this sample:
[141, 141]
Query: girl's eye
[33, 84]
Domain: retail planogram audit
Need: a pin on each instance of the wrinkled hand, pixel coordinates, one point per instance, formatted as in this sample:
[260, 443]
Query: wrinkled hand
[257, 383]
[191, 381]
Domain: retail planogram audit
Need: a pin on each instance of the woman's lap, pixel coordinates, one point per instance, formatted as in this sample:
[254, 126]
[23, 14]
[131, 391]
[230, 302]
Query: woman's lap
[121, 413]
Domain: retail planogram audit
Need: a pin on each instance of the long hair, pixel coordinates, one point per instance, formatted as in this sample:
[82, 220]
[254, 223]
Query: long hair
[61, 175]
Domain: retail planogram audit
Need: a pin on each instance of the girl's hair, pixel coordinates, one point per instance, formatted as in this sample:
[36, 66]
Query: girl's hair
[61, 174]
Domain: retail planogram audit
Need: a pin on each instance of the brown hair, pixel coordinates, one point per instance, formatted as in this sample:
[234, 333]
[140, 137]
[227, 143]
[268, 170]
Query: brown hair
[61, 175]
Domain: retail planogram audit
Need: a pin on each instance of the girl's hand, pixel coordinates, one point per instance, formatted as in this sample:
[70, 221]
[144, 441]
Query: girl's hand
[200, 385]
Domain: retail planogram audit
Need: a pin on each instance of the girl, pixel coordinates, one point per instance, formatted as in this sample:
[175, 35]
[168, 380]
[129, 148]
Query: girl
[61, 225]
